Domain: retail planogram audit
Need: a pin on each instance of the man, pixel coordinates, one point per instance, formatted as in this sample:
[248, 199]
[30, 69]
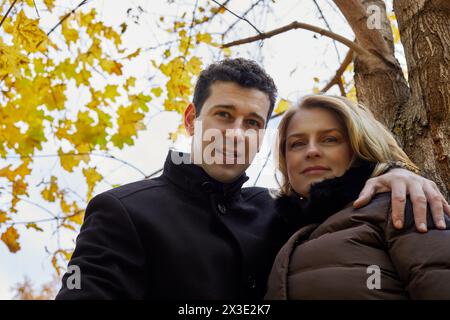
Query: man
[194, 232]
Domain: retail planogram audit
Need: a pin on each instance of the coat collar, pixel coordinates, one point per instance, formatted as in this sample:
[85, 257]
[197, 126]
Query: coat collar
[326, 197]
[193, 179]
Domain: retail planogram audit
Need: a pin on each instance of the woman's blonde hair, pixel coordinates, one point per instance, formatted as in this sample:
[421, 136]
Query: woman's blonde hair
[369, 139]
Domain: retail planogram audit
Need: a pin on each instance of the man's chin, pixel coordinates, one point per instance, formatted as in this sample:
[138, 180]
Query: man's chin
[225, 173]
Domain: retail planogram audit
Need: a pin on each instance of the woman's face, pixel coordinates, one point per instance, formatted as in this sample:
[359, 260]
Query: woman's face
[317, 148]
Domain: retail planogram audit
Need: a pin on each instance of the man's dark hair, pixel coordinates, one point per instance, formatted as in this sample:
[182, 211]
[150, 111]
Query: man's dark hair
[244, 72]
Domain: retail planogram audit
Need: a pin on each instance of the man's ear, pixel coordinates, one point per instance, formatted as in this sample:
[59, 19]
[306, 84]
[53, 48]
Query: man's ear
[189, 118]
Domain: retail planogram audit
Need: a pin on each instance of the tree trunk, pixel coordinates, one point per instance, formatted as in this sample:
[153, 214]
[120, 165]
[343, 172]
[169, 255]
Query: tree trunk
[425, 34]
[418, 113]
[379, 80]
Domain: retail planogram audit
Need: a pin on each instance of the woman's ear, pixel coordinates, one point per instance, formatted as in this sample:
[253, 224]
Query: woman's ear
[189, 118]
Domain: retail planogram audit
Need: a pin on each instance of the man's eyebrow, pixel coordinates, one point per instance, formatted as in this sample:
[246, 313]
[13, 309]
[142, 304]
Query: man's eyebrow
[299, 134]
[224, 106]
[232, 107]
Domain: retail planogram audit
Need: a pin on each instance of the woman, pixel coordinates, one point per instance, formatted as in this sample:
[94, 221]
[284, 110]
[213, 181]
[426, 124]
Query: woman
[328, 148]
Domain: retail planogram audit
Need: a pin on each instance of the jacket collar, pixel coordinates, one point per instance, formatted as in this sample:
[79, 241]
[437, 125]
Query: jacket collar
[326, 197]
[193, 179]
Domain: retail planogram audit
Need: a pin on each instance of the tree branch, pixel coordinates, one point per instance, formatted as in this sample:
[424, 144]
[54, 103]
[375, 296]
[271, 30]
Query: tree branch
[153, 173]
[299, 25]
[328, 26]
[241, 17]
[237, 16]
[263, 167]
[67, 16]
[337, 77]
[370, 39]
[110, 156]
[7, 12]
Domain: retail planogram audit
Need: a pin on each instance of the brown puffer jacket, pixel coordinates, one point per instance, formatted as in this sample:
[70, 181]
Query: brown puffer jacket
[330, 260]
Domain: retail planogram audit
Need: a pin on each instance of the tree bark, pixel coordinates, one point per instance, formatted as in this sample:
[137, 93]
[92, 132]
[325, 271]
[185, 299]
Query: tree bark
[379, 80]
[425, 35]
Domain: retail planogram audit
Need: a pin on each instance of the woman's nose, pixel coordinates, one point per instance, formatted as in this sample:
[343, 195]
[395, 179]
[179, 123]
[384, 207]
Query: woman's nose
[312, 151]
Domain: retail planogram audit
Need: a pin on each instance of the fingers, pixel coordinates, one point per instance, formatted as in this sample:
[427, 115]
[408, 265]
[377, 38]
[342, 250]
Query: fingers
[398, 197]
[445, 204]
[365, 195]
[446, 207]
[436, 203]
[419, 202]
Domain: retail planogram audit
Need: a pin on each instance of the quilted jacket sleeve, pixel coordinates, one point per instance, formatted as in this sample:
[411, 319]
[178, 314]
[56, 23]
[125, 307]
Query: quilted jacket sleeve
[422, 260]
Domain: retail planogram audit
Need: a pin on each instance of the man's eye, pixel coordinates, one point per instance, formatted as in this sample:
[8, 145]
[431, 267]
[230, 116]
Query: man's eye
[223, 114]
[253, 123]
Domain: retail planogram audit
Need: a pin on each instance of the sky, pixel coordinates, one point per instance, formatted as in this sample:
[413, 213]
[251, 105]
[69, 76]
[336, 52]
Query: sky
[292, 59]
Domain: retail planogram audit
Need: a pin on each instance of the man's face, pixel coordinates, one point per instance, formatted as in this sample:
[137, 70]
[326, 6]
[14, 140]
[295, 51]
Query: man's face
[232, 122]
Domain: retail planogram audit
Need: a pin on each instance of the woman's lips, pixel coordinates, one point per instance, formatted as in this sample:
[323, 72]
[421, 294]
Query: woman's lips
[314, 171]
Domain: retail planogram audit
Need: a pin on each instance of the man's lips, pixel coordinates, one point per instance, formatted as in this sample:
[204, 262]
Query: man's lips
[314, 170]
[230, 155]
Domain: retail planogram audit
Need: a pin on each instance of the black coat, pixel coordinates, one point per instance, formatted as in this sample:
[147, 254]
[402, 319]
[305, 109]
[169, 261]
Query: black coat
[182, 235]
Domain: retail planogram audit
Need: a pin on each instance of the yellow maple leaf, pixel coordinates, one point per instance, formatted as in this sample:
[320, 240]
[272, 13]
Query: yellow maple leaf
[20, 187]
[130, 82]
[395, 31]
[92, 178]
[51, 191]
[203, 37]
[56, 97]
[70, 160]
[111, 66]
[10, 238]
[157, 91]
[28, 34]
[111, 92]
[11, 60]
[69, 33]
[351, 94]
[78, 216]
[282, 106]
[33, 225]
[134, 54]
[3, 217]
[180, 131]
[226, 52]
[50, 4]
[65, 254]
[194, 65]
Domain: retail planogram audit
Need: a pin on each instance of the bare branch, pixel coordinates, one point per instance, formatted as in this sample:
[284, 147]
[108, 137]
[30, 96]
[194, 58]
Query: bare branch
[328, 26]
[337, 77]
[237, 16]
[56, 218]
[67, 16]
[37, 205]
[299, 25]
[264, 165]
[241, 17]
[341, 87]
[190, 32]
[370, 39]
[81, 154]
[276, 115]
[37, 12]
[7, 12]
[154, 173]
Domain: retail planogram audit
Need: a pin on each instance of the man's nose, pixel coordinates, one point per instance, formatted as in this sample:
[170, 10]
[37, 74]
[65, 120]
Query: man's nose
[237, 129]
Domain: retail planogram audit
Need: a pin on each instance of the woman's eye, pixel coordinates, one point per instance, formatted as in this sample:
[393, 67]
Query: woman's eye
[297, 144]
[330, 139]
